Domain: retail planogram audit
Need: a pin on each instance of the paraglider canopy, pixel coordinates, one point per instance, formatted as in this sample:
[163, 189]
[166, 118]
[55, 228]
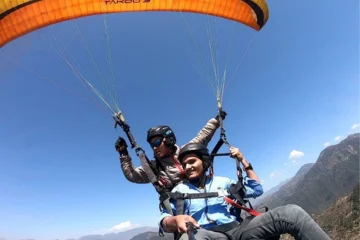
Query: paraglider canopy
[19, 17]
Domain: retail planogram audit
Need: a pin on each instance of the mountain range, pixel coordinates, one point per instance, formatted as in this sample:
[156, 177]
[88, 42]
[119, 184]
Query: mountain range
[126, 235]
[316, 186]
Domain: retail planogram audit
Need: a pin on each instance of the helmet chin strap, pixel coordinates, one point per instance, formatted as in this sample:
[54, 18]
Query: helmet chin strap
[170, 152]
[199, 181]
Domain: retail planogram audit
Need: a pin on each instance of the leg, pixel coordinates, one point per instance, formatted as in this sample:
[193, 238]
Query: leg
[290, 219]
[203, 234]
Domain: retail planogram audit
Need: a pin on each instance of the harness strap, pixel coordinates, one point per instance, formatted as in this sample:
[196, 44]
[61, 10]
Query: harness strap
[180, 206]
[166, 204]
[233, 203]
[182, 196]
[238, 192]
[216, 149]
[145, 163]
[164, 199]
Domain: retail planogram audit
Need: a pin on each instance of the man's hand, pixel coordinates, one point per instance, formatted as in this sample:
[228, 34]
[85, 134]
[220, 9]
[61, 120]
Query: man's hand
[181, 221]
[235, 153]
[223, 115]
[121, 146]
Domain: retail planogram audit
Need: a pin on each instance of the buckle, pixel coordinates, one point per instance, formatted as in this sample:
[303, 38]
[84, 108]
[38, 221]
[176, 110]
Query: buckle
[223, 193]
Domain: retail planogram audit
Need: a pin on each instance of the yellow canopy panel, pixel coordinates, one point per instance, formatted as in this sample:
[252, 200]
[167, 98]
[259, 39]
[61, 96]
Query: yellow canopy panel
[19, 17]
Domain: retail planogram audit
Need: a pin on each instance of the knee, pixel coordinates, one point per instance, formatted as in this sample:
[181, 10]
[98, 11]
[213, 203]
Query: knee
[296, 211]
[294, 207]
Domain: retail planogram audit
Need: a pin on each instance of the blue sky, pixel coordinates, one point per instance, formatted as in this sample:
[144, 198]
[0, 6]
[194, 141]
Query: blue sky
[297, 88]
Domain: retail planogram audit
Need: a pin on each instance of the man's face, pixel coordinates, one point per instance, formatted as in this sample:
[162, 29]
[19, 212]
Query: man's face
[193, 166]
[158, 145]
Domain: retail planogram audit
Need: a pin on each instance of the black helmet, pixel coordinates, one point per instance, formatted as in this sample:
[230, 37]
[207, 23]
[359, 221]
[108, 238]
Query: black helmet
[164, 131]
[199, 149]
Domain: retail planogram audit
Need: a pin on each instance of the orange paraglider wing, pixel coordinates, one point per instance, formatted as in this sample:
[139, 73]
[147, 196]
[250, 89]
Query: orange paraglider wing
[19, 17]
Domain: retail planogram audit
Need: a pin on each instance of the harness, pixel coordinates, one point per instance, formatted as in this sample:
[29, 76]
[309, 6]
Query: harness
[236, 191]
[234, 196]
[239, 202]
[151, 171]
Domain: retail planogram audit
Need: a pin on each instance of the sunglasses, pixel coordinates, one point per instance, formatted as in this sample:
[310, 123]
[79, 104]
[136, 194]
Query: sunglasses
[156, 143]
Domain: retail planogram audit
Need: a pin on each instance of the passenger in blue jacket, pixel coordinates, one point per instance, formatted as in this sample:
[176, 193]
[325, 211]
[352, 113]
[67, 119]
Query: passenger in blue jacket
[212, 217]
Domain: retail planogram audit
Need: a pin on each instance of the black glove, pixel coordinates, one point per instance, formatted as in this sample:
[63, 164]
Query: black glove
[121, 146]
[222, 115]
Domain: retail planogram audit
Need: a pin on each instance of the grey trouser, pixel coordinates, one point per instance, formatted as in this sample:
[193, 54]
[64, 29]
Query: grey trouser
[290, 219]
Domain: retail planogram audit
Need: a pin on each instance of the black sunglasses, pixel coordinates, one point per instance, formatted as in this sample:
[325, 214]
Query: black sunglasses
[156, 143]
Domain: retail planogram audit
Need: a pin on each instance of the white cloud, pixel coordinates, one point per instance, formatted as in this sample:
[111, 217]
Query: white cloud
[326, 144]
[355, 126]
[296, 154]
[337, 138]
[275, 175]
[121, 227]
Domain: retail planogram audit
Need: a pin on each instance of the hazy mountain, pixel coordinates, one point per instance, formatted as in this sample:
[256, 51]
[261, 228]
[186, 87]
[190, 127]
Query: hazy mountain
[126, 235]
[334, 175]
[257, 201]
[285, 186]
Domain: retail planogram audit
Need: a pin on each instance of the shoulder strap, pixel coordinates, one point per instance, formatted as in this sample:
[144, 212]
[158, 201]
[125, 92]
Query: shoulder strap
[152, 174]
[147, 166]
[183, 196]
